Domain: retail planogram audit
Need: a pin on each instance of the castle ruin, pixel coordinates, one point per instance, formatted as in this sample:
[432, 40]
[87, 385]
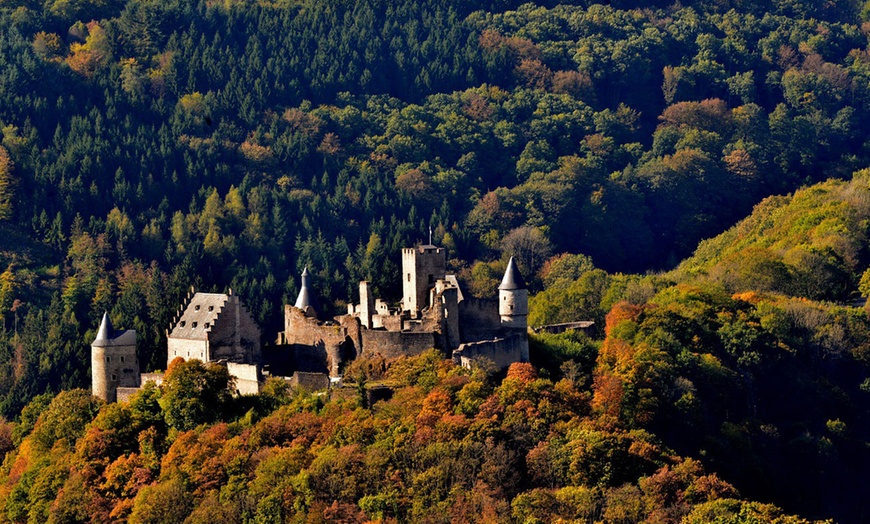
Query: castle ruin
[310, 351]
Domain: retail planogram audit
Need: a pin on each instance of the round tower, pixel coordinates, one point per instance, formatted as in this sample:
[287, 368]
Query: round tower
[513, 298]
[99, 376]
[113, 361]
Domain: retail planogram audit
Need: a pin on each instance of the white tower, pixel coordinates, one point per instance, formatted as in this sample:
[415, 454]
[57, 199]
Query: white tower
[513, 298]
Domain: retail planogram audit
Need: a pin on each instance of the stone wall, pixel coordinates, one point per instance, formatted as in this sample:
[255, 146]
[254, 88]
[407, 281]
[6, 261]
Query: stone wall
[502, 352]
[247, 377]
[124, 394]
[235, 337]
[187, 349]
[157, 378]
[309, 381]
[391, 344]
[478, 319]
[311, 341]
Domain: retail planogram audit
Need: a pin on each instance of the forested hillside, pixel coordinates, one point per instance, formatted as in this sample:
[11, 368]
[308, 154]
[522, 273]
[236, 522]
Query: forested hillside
[151, 145]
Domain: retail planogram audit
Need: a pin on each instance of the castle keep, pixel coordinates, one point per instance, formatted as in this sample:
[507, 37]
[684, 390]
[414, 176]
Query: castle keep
[312, 351]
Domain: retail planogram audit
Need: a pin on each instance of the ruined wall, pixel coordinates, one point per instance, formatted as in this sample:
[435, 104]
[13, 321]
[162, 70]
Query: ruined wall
[388, 322]
[123, 394]
[314, 342]
[247, 377]
[478, 319]
[309, 381]
[502, 352]
[391, 344]
[157, 378]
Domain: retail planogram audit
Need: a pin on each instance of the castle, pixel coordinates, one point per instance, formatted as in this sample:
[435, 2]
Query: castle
[312, 352]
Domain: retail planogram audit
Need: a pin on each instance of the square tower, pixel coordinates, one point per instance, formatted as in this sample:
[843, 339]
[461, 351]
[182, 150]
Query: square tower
[422, 267]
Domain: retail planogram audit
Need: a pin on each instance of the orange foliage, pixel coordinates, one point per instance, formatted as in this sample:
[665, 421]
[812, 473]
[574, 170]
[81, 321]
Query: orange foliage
[283, 427]
[175, 362]
[522, 371]
[619, 312]
[711, 115]
[749, 296]
[436, 405]
[609, 392]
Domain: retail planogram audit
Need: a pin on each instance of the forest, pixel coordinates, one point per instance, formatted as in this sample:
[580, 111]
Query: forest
[692, 176]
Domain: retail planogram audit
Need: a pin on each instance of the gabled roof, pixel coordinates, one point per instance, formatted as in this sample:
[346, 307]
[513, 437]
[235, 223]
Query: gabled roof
[512, 278]
[200, 316]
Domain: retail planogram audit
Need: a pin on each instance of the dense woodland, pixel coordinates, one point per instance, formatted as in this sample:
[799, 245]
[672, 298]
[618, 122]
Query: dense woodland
[151, 145]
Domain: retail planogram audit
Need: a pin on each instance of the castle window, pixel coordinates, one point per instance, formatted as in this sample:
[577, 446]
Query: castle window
[122, 358]
[108, 359]
[206, 325]
[114, 377]
[196, 308]
[183, 323]
[193, 324]
[409, 277]
[211, 308]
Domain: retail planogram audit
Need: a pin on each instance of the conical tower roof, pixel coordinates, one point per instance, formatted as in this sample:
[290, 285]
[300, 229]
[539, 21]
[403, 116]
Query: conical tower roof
[106, 332]
[512, 278]
[304, 299]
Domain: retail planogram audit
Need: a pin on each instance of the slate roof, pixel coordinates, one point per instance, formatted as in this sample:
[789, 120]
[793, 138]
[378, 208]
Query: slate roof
[107, 336]
[512, 277]
[304, 298]
[199, 316]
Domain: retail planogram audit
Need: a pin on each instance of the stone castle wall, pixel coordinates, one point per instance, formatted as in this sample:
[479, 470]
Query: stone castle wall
[502, 352]
[247, 377]
[329, 342]
[309, 381]
[478, 319]
[392, 344]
